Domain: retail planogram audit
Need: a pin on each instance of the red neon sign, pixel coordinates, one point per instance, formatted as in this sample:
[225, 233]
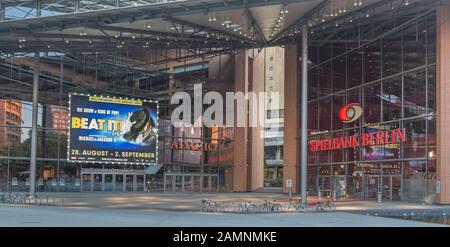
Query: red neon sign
[366, 139]
[350, 113]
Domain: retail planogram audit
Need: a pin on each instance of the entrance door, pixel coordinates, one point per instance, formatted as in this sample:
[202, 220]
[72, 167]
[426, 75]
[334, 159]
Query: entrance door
[86, 182]
[98, 181]
[391, 188]
[371, 187]
[108, 186]
[129, 183]
[197, 184]
[188, 183]
[119, 183]
[325, 186]
[396, 188]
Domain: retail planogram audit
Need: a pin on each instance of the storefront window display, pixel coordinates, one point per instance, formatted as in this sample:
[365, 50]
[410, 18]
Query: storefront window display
[392, 79]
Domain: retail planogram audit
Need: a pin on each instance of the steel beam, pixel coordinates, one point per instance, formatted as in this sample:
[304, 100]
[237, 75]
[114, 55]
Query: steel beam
[304, 117]
[34, 122]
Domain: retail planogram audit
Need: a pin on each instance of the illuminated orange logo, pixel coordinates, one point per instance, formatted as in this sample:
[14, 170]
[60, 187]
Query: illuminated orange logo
[350, 113]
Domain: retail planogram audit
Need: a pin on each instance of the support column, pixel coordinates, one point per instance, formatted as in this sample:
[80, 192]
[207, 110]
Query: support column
[291, 117]
[240, 133]
[77, 5]
[304, 116]
[124, 184]
[34, 119]
[92, 182]
[134, 183]
[114, 182]
[103, 182]
[145, 183]
[38, 8]
[2, 11]
[256, 134]
[443, 102]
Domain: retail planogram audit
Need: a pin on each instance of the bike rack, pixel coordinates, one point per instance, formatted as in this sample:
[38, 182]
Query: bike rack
[20, 198]
[247, 207]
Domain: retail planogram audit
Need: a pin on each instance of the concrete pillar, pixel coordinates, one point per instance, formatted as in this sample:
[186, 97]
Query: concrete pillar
[443, 101]
[291, 117]
[240, 133]
[134, 183]
[256, 145]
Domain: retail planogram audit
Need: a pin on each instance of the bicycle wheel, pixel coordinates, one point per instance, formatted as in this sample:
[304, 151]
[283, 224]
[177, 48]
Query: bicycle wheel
[252, 208]
[277, 208]
[263, 208]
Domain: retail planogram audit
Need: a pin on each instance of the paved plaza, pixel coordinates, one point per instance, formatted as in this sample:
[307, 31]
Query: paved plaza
[171, 209]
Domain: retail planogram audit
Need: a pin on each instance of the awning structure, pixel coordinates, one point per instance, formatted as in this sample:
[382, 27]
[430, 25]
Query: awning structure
[153, 169]
[211, 26]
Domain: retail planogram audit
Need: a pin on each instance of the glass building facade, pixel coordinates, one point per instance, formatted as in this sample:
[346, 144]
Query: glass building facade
[178, 169]
[393, 79]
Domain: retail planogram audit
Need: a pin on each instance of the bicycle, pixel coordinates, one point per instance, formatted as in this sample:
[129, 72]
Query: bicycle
[326, 206]
[247, 207]
[208, 206]
[270, 206]
[296, 205]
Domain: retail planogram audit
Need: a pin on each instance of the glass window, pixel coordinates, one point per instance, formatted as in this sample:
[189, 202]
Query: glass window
[338, 170]
[431, 138]
[392, 60]
[312, 178]
[324, 53]
[325, 114]
[414, 182]
[415, 145]
[338, 103]
[431, 177]
[339, 74]
[324, 156]
[354, 96]
[325, 170]
[352, 154]
[372, 103]
[372, 62]
[313, 83]
[432, 90]
[431, 39]
[325, 79]
[415, 93]
[337, 155]
[354, 68]
[313, 116]
[392, 98]
[414, 46]
[313, 55]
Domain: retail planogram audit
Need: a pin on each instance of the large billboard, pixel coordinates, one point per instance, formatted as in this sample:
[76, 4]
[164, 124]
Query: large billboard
[112, 130]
